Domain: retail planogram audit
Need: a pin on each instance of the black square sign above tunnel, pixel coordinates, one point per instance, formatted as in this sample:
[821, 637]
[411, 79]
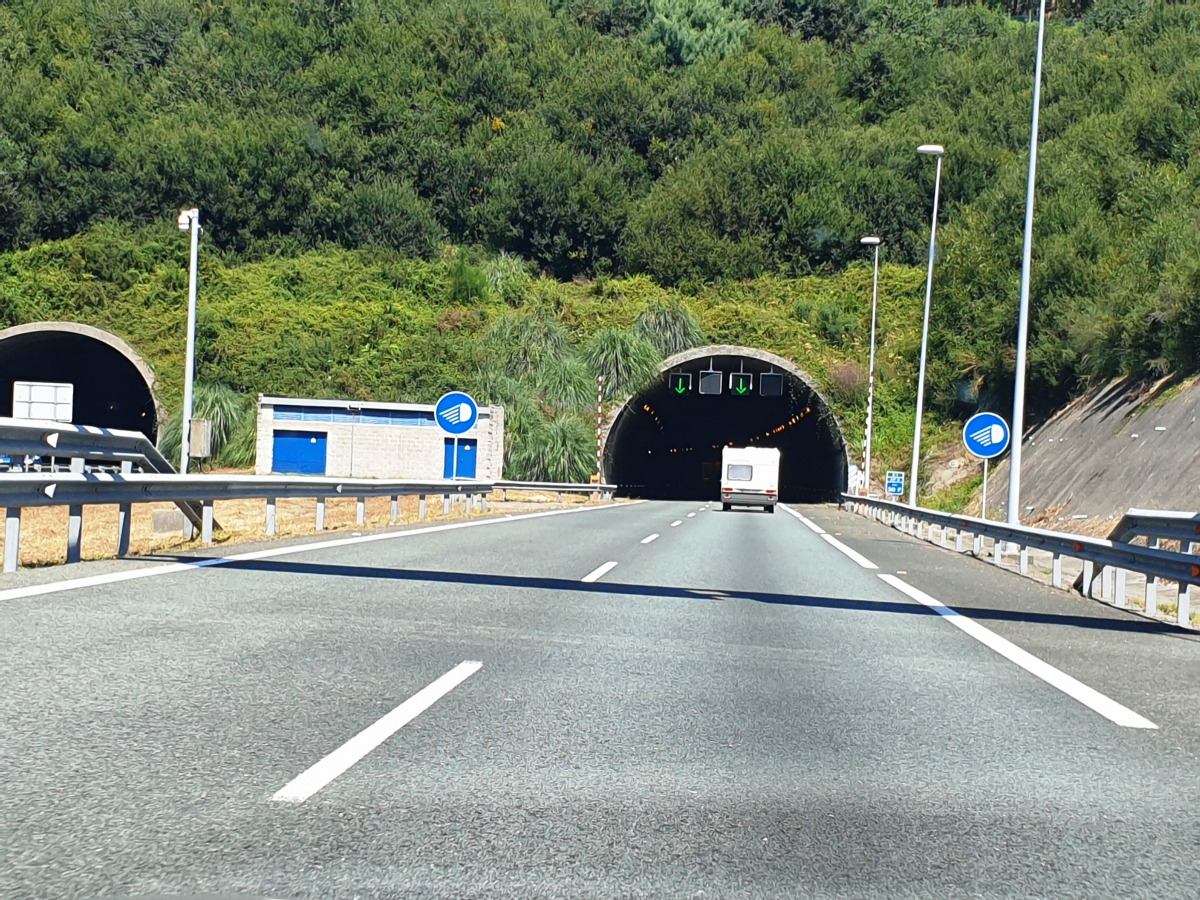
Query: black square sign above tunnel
[770, 384]
[710, 382]
[680, 382]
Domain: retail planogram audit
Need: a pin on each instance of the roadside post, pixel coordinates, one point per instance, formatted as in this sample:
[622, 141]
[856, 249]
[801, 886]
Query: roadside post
[986, 436]
[456, 414]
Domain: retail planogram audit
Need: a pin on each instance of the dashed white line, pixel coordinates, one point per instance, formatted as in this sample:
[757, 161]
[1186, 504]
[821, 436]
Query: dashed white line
[691, 515]
[677, 522]
[320, 774]
[1089, 697]
[599, 572]
[652, 537]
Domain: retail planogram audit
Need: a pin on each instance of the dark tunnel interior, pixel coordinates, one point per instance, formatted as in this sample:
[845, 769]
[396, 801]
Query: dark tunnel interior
[109, 392]
[666, 443]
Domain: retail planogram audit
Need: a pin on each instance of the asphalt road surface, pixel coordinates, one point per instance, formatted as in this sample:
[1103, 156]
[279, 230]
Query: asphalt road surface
[739, 707]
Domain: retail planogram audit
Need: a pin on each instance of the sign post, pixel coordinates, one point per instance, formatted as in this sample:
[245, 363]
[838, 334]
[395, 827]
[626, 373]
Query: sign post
[985, 436]
[456, 413]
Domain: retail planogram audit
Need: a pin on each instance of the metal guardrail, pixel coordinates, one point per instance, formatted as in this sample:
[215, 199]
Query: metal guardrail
[29, 437]
[130, 449]
[1100, 556]
[563, 487]
[1157, 524]
[194, 495]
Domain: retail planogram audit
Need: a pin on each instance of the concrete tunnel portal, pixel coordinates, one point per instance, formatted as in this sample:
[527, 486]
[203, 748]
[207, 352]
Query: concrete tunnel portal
[665, 442]
[113, 386]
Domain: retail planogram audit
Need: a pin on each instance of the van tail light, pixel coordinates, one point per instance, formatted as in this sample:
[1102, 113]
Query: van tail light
[769, 491]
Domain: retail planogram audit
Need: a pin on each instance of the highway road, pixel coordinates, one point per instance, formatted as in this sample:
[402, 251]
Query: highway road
[641, 700]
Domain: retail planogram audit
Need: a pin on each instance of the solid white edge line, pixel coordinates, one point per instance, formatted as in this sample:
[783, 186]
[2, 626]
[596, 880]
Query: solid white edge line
[677, 522]
[320, 774]
[54, 587]
[1089, 697]
[652, 537]
[853, 554]
[812, 525]
[598, 572]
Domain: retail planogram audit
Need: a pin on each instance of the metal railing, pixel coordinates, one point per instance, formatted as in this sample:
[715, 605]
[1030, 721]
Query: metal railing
[558, 487]
[1102, 558]
[193, 494]
[1156, 525]
[82, 443]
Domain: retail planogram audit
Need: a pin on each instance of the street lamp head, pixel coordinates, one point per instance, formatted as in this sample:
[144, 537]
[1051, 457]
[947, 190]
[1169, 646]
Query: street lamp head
[870, 241]
[931, 149]
[186, 217]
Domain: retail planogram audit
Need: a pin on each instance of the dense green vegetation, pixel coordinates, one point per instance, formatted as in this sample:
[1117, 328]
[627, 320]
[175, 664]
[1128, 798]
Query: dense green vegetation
[373, 324]
[726, 154]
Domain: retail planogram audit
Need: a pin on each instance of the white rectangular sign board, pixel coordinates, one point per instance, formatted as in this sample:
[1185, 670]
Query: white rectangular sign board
[43, 400]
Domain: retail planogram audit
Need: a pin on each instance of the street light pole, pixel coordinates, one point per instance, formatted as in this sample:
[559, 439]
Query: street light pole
[189, 220]
[871, 242]
[929, 150]
[1018, 419]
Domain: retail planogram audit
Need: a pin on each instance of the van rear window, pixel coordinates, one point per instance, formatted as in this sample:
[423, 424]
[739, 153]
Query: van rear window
[740, 473]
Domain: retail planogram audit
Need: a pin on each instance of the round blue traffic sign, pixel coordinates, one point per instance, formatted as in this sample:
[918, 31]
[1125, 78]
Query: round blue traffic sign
[456, 413]
[986, 435]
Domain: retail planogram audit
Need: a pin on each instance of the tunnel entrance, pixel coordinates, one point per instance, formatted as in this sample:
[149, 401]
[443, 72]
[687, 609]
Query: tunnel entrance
[113, 386]
[665, 443]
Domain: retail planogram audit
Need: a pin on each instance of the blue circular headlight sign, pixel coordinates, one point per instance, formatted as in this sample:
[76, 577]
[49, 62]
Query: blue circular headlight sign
[456, 413]
[986, 435]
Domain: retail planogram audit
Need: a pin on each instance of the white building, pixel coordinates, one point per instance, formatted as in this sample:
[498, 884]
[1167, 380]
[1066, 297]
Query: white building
[361, 439]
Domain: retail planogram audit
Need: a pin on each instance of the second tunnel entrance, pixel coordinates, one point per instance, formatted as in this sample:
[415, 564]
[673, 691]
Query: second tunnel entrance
[666, 441]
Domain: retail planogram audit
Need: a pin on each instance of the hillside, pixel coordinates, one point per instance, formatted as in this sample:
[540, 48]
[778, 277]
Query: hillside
[723, 153]
[375, 324]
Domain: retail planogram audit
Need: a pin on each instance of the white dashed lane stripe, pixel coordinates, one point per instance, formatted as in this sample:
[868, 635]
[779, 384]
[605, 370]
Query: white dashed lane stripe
[320, 774]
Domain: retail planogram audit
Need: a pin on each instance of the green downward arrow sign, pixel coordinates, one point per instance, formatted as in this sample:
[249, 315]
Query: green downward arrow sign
[741, 389]
[680, 387]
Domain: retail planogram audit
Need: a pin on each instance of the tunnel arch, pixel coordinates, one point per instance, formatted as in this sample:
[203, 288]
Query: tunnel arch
[114, 388]
[667, 445]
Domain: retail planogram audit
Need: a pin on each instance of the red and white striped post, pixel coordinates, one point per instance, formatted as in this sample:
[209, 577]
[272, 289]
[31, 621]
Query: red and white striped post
[599, 433]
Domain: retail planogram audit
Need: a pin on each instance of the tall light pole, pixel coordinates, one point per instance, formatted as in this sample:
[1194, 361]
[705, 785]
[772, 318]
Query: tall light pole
[871, 241]
[189, 220]
[929, 150]
[1018, 418]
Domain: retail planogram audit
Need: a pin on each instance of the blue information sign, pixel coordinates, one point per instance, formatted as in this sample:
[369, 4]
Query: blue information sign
[895, 484]
[986, 435]
[456, 413]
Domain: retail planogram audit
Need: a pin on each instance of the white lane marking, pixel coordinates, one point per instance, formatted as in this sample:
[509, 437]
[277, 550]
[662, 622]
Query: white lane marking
[599, 572]
[1089, 697]
[320, 774]
[813, 525]
[647, 540]
[71, 584]
[677, 522]
[691, 515]
[853, 554]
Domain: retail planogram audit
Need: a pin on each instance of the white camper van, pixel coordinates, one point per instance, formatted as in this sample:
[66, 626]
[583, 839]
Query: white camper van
[749, 477]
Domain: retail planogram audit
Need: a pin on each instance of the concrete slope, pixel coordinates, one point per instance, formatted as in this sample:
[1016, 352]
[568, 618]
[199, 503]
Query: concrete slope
[1110, 450]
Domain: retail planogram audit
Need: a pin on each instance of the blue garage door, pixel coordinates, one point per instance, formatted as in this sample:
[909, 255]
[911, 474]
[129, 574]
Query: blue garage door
[299, 453]
[466, 459]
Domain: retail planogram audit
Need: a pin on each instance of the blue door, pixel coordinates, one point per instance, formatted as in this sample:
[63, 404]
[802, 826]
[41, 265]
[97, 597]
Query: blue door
[299, 453]
[466, 458]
